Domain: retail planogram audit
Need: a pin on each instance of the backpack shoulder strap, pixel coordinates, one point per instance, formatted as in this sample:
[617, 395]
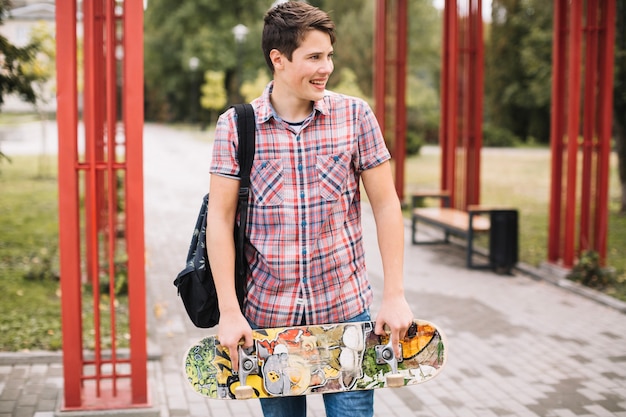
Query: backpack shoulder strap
[246, 127]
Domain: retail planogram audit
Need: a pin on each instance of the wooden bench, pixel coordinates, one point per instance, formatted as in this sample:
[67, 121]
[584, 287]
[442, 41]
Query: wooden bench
[466, 225]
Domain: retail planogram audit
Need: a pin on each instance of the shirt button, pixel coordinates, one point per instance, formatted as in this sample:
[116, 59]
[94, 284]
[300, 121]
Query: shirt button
[304, 251]
[301, 194]
[303, 224]
[298, 137]
[304, 280]
[336, 158]
[299, 167]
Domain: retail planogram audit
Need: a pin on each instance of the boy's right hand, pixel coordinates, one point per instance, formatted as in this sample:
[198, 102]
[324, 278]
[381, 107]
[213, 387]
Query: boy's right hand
[234, 331]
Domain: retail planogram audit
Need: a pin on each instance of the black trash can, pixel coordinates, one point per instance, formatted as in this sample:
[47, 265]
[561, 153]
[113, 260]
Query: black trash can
[503, 240]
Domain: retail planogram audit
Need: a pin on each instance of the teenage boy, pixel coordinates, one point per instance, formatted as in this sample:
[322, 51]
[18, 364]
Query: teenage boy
[313, 147]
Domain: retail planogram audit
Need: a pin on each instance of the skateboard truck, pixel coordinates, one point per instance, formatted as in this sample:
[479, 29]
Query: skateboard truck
[247, 365]
[385, 354]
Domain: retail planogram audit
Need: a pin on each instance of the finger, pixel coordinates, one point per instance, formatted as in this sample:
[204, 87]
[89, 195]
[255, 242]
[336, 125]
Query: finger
[395, 342]
[379, 329]
[234, 357]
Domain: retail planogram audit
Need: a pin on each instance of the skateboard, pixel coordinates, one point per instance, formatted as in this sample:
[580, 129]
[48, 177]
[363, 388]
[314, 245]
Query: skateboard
[301, 360]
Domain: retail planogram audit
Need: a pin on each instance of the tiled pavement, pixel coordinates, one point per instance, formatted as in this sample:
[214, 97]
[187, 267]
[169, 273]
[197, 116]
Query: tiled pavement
[519, 345]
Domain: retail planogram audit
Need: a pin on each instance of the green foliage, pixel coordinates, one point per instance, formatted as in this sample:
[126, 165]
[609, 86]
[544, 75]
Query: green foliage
[254, 88]
[177, 31]
[348, 84]
[14, 78]
[590, 273]
[42, 68]
[518, 58]
[495, 136]
[213, 92]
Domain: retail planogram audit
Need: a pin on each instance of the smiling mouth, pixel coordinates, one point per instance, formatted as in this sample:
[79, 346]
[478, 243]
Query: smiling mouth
[319, 83]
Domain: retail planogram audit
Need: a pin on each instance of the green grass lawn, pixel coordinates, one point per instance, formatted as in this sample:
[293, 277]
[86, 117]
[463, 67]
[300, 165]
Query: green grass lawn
[29, 281]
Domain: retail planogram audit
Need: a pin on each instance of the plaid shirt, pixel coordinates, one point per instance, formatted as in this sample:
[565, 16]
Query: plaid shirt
[305, 253]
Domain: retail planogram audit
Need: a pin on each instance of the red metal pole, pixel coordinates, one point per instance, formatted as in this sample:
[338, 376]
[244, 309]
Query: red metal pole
[400, 116]
[92, 28]
[111, 170]
[380, 77]
[589, 125]
[133, 71]
[559, 66]
[451, 90]
[605, 112]
[69, 242]
[573, 124]
[444, 133]
[477, 106]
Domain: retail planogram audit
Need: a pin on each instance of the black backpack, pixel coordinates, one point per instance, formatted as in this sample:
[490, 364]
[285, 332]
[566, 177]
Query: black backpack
[195, 283]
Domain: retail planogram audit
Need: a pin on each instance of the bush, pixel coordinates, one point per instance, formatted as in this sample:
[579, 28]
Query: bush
[495, 136]
[414, 142]
[589, 272]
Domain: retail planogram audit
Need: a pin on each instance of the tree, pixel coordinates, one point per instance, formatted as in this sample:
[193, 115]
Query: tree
[177, 31]
[518, 68]
[42, 69]
[619, 98]
[13, 78]
[254, 88]
[213, 92]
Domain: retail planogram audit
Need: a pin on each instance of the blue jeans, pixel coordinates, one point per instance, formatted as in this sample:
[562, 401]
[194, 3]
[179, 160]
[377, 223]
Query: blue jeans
[340, 404]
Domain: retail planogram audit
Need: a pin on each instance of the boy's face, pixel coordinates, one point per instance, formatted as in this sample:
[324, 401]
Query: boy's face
[311, 64]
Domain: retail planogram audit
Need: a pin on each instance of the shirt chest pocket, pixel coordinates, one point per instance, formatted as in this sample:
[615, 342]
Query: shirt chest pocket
[268, 184]
[333, 173]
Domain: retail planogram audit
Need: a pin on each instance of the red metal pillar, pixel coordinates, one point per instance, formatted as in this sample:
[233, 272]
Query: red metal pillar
[557, 131]
[110, 168]
[605, 118]
[133, 123]
[390, 80]
[461, 102]
[69, 238]
[578, 213]
[448, 126]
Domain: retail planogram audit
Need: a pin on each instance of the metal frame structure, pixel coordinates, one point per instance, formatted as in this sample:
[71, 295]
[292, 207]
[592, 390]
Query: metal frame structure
[101, 202]
[582, 74]
[460, 133]
[390, 56]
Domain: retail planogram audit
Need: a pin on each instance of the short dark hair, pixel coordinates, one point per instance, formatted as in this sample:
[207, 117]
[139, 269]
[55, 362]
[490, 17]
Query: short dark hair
[287, 23]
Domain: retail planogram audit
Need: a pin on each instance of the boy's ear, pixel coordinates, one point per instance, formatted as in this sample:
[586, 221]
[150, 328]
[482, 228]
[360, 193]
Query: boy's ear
[277, 58]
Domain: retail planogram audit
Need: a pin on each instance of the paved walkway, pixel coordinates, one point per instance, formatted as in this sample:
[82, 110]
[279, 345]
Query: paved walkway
[519, 346]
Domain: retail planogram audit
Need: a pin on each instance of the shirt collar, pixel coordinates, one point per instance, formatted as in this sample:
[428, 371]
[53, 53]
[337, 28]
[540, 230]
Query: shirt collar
[264, 110]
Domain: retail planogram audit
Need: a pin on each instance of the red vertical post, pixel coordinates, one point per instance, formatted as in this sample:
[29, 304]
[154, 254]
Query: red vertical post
[69, 241]
[380, 74]
[449, 103]
[98, 381]
[132, 109]
[583, 212]
[589, 124]
[605, 116]
[475, 87]
[390, 44]
[557, 122]
[400, 78]
[573, 129]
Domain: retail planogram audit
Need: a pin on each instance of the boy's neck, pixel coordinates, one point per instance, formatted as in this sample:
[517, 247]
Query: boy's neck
[290, 108]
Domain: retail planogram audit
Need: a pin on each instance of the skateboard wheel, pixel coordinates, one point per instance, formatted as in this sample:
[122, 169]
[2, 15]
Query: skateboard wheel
[243, 392]
[395, 380]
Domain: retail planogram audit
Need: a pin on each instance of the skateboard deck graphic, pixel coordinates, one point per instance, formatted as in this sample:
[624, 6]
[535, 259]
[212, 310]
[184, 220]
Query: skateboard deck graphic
[302, 360]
